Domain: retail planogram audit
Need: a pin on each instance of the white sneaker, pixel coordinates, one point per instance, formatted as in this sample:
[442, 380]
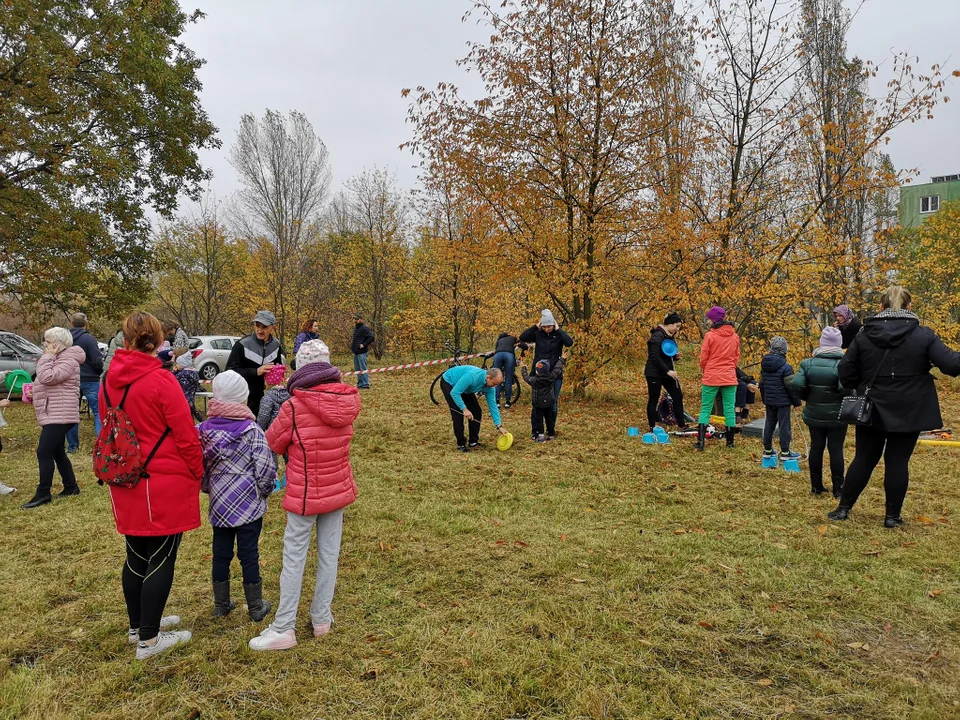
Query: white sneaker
[165, 641]
[270, 639]
[6, 489]
[321, 629]
[133, 634]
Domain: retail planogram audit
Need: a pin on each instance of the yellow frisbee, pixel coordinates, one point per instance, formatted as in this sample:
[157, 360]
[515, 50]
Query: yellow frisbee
[504, 442]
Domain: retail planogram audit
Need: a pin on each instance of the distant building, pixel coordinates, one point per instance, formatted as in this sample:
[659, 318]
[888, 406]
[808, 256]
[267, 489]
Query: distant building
[918, 202]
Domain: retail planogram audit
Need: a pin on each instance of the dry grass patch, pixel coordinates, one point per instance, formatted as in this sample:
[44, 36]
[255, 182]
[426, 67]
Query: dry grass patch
[591, 577]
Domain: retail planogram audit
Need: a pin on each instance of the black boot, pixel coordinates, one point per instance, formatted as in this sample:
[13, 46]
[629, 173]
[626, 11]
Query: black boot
[256, 605]
[36, 501]
[893, 521]
[701, 437]
[222, 604]
[68, 491]
[816, 486]
[841, 513]
[837, 487]
[731, 432]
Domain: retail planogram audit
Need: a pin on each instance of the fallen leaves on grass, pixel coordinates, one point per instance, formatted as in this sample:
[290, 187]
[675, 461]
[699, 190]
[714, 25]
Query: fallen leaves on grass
[934, 593]
[822, 530]
[765, 682]
[705, 625]
[924, 519]
[371, 674]
[859, 646]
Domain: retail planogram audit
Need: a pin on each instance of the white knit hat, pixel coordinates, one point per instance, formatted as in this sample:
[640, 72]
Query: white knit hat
[230, 387]
[312, 351]
[546, 318]
[185, 360]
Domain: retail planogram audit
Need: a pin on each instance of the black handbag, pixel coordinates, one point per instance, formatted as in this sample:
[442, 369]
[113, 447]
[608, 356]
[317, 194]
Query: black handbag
[858, 409]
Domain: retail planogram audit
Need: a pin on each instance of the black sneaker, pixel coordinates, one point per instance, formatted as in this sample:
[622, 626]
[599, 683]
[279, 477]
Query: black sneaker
[463, 448]
[475, 444]
[507, 406]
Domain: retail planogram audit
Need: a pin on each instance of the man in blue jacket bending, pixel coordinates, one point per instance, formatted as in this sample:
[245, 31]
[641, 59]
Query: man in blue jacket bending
[460, 386]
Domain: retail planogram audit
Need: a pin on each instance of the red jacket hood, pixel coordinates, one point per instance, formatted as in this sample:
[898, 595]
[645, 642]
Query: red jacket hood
[130, 365]
[725, 330]
[336, 404]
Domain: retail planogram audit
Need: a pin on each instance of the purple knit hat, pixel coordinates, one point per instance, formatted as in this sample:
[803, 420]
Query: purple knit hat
[315, 373]
[716, 314]
[830, 338]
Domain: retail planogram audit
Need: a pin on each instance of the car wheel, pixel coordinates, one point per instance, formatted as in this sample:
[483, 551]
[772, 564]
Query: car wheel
[209, 371]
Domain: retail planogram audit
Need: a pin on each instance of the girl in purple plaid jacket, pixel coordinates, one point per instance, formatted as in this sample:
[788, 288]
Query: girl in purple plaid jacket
[239, 471]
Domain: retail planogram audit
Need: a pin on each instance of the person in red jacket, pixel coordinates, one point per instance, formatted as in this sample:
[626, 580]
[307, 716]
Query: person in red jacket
[314, 428]
[154, 514]
[719, 357]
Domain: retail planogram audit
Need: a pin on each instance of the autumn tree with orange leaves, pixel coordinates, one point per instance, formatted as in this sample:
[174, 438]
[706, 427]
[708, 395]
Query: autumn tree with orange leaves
[637, 160]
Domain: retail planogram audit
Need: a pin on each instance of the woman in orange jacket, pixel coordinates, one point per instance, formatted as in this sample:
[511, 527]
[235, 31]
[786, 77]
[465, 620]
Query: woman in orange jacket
[719, 357]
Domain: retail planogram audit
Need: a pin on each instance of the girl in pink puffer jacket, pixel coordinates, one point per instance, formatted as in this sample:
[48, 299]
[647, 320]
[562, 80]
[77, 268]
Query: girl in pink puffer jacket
[314, 427]
[56, 401]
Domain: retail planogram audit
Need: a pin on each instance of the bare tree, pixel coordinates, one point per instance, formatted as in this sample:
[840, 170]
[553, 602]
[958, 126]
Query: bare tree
[284, 169]
[200, 270]
[368, 226]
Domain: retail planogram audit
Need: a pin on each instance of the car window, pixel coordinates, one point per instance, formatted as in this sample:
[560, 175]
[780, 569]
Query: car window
[222, 344]
[194, 343]
[22, 346]
[6, 349]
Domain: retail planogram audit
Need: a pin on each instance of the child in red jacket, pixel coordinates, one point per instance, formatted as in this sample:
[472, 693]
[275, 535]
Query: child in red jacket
[314, 428]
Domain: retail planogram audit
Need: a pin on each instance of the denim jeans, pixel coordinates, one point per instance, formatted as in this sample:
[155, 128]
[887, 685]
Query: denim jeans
[91, 391]
[506, 362]
[556, 396]
[360, 363]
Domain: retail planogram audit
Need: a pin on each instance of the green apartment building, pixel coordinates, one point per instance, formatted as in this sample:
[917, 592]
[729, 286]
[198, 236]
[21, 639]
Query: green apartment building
[918, 202]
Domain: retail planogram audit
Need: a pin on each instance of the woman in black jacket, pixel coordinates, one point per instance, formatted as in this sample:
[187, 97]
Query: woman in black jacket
[659, 372]
[549, 341]
[895, 348]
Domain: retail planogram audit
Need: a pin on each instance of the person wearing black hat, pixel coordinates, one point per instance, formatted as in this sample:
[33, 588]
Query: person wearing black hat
[254, 355]
[660, 373]
[360, 346]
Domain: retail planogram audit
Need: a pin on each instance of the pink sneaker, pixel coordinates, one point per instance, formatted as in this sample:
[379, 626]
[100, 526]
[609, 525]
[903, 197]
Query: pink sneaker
[321, 629]
[270, 639]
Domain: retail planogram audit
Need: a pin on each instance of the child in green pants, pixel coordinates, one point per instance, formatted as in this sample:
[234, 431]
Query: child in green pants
[719, 357]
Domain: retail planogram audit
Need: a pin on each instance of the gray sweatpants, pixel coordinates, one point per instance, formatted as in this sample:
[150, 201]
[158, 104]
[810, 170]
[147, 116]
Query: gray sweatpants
[296, 544]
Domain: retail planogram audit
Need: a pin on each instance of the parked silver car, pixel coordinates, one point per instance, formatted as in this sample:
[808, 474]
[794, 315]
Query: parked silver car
[17, 353]
[210, 354]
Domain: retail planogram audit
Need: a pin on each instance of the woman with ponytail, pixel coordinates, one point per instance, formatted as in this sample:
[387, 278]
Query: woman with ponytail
[153, 515]
[892, 356]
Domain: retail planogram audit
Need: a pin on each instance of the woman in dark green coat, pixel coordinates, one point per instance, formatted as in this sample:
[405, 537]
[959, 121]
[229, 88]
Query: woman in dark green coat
[816, 382]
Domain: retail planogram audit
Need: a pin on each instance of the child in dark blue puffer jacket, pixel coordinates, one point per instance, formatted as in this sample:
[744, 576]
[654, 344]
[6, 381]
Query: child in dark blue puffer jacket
[778, 398]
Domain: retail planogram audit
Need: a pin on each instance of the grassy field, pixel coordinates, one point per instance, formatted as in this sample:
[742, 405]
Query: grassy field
[591, 577]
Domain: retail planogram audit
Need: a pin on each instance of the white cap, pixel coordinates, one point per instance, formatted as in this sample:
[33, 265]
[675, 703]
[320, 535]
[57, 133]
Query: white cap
[230, 387]
[546, 318]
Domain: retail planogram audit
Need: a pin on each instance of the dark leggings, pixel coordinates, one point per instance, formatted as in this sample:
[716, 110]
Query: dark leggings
[654, 388]
[895, 449]
[830, 439]
[456, 414]
[247, 539]
[50, 454]
[147, 578]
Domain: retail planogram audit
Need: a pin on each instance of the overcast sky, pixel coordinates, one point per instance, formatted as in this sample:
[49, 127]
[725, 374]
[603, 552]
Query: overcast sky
[344, 63]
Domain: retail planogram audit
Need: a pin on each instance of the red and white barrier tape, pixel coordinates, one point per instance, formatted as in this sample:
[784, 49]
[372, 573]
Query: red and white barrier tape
[408, 366]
